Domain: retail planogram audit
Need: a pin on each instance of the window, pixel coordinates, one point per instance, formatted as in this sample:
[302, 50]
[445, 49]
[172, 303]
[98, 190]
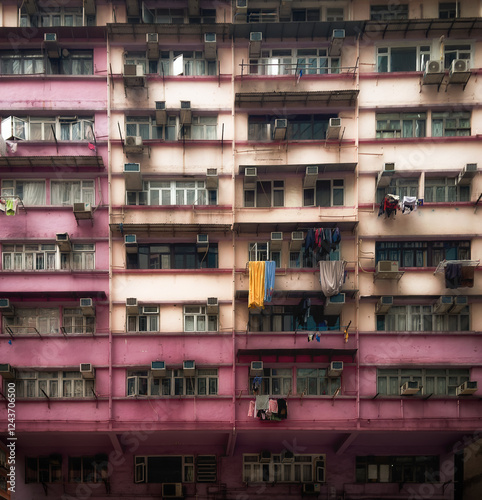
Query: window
[48, 128]
[147, 319]
[34, 320]
[53, 16]
[287, 318]
[173, 193]
[201, 128]
[261, 251]
[29, 257]
[439, 381]
[197, 320]
[421, 253]
[30, 192]
[300, 15]
[450, 123]
[335, 14]
[393, 469]
[162, 16]
[445, 189]
[81, 258]
[300, 127]
[389, 12]
[173, 256]
[262, 15]
[164, 469]
[43, 469]
[448, 10]
[93, 469]
[208, 16]
[71, 62]
[70, 192]
[204, 382]
[56, 384]
[21, 62]
[328, 193]
[74, 321]
[414, 318]
[399, 186]
[300, 259]
[453, 52]
[316, 382]
[275, 381]
[140, 126]
[390, 59]
[266, 194]
[396, 125]
[302, 469]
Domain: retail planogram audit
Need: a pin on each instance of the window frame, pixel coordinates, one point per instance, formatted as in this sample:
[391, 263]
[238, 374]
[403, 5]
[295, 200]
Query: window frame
[337, 187]
[144, 321]
[453, 192]
[259, 249]
[211, 321]
[325, 385]
[276, 194]
[389, 12]
[451, 121]
[386, 57]
[48, 464]
[93, 469]
[11, 188]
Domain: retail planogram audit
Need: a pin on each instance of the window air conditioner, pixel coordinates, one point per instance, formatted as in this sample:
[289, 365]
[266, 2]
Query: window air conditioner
[334, 304]
[212, 179]
[250, 177]
[152, 37]
[460, 302]
[334, 129]
[387, 269]
[280, 126]
[287, 457]
[132, 174]
[383, 305]
[132, 306]
[133, 144]
[152, 40]
[265, 457]
[336, 43]
[385, 176]
[6, 308]
[202, 242]
[311, 488]
[82, 207]
[468, 173]
[409, 388]
[255, 39]
[7, 371]
[297, 240]
[134, 75]
[130, 242]
[161, 113]
[63, 242]
[336, 369]
[87, 370]
[459, 66]
[212, 305]
[171, 490]
[311, 176]
[468, 387]
[87, 306]
[444, 304]
[186, 113]
[158, 368]
[188, 367]
[276, 240]
[210, 46]
[241, 4]
[256, 368]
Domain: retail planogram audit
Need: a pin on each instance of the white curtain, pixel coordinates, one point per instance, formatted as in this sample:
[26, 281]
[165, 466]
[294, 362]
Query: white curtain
[33, 193]
[332, 276]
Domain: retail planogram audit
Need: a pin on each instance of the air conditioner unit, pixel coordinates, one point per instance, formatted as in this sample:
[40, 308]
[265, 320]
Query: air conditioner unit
[276, 240]
[334, 304]
[385, 176]
[133, 144]
[311, 489]
[241, 4]
[7, 371]
[6, 308]
[466, 388]
[409, 388]
[212, 305]
[297, 240]
[280, 127]
[212, 179]
[444, 304]
[189, 367]
[334, 129]
[152, 40]
[158, 369]
[130, 242]
[161, 113]
[50, 37]
[87, 306]
[459, 66]
[255, 39]
[434, 66]
[250, 177]
[131, 305]
[387, 269]
[210, 46]
[336, 369]
[460, 302]
[265, 457]
[202, 242]
[171, 490]
[186, 113]
[134, 75]
[256, 369]
[63, 242]
[87, 370]
[132, 176]
[383, 305]
[336, 43]
[82, 211]
[468, 173]
[287, 457]
[311, 176]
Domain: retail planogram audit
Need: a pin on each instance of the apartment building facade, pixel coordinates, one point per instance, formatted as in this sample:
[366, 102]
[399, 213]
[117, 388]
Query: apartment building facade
[241, 248]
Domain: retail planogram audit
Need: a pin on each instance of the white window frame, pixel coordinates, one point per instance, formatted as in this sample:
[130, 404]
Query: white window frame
[176, 383]
[325, 385]
[56, 16]
[197, 316]
[74, 321]
[34, 320]
[29, 257]
[81, 191]
[133, 383]
[202, 128]
[81, 258]
[148, 314]
[276, 186]
[29, 384]
[423, 53]
[460, 51]
[11, 189]
[452, 121]
[261, 251]
[450, 188]
[333, 189]
[391, 125]
[275, 382]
